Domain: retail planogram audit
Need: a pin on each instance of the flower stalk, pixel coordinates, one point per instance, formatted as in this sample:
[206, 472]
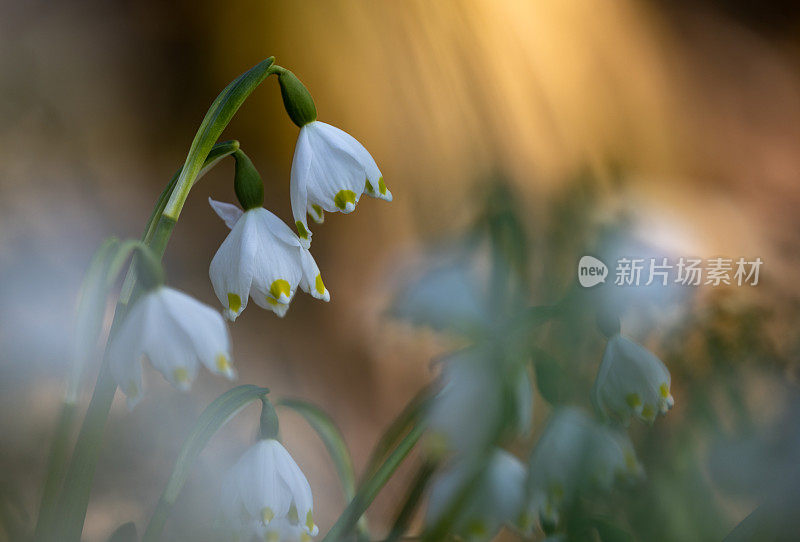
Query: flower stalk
[71, 511]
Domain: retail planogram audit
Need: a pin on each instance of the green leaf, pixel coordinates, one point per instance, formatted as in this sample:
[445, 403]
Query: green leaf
[217, 414]
[409, 417]
[372, 486]
[331, 437]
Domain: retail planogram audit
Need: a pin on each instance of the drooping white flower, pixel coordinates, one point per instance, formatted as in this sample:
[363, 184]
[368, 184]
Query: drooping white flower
[261, 258]
[478, 388]
[266, 493]
[464, 414]
[445, 296]
[576, 454]
[631, 381]
[330, 172]
[176, 333]
[498, 498]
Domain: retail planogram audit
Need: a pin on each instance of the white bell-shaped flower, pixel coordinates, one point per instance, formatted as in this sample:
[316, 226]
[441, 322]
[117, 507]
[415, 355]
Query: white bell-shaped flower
[576, 454]
[330, 172]
[176, 333]
[631, 381]
[261, 258]
[266, 492]
[464, 414]
[498, 499]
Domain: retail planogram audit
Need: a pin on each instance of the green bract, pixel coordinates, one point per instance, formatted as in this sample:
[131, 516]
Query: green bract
[296, 99]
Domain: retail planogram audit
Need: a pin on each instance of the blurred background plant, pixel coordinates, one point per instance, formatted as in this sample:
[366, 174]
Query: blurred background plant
[529, 133]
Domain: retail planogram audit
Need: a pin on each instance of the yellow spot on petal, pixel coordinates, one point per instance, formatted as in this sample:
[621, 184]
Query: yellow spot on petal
[309, 521]
[343, 197]
[234, 302]
[223, 365]
[305, 537]
[301, 230]
[267, 514]
[648, 413]
[633, 400]
[319, 285]
[664, 390]
[292, 515]
[317, 209]
[382, 186]
[271, 301]
[272, 536]
[279, 287]
[368, 186]
[181, 375]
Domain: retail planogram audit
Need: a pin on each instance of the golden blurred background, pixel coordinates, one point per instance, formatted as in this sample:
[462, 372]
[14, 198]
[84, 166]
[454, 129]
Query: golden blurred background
[697, 104]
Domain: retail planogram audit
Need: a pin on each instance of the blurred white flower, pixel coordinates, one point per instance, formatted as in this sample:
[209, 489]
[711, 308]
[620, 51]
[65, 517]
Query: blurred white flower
[261, 258]
[446, 295]
[631, 381]
[330, 172]
[498, 499]
[266, 493]
[175, 332]
[576, 454]
[465, 413]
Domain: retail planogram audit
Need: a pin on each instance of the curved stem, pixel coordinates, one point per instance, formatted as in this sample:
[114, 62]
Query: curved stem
[69, 516]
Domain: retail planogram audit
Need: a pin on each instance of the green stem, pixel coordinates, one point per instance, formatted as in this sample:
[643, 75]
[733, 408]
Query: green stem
[56, 467]
[69, 516]
[369, 490]
[219, 115]
[415, 491]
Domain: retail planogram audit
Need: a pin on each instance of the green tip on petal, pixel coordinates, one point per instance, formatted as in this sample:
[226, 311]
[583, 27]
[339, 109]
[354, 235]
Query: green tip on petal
[234, 302]
[302, 232]
[343, 198]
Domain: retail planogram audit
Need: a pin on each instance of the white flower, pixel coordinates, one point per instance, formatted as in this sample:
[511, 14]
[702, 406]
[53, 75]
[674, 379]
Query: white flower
[631, 381]
[446, 296]
[261, 258]
[497, 500]
[465, 413]
[175, 332]
[575, 454]
[267, 492]
[330, 171]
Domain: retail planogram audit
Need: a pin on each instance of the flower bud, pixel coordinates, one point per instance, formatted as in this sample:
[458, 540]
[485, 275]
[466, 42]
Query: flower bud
[247, 182]
[296, 99]
[268, 426]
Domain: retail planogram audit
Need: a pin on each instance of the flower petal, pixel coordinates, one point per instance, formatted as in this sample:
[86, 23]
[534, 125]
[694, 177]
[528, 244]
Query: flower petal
[298, 185]
[127, 348]
[335, 137]
[232, 267]
[228, 212]
[205, 328]
[311, 279]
